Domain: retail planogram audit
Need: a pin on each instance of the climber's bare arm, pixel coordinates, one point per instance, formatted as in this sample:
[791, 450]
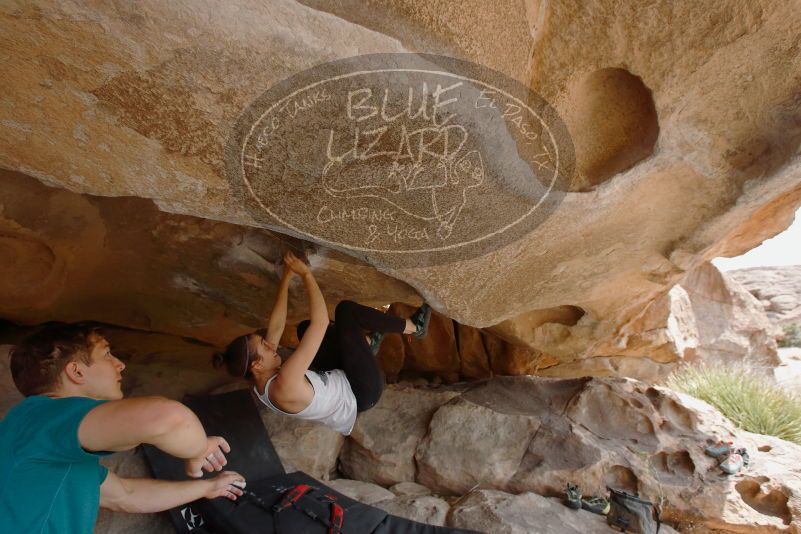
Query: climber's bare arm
[277, 322]
[291, 380]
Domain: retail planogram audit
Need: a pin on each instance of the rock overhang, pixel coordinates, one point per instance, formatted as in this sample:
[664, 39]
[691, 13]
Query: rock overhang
[683, 133]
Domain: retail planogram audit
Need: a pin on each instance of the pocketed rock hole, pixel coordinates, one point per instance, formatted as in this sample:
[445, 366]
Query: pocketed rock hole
[674, 414]
[677, 414]
[613, 122]
[772, 503]
[654, 396]
[673, 467]
[622, 478]
[569, 315]
[606, 414]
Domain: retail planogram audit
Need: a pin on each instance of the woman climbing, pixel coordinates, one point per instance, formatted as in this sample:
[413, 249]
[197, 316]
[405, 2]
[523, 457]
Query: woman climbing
[333, 374]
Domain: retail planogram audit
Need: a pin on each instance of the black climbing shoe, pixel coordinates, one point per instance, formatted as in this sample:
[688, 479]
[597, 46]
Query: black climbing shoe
[573, 496]
[596, 505]
[375, 342]
[420, 320]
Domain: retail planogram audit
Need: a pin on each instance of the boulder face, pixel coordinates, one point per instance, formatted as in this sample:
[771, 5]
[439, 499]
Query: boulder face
[778, 290]
[684, 137]
[527, 513]
[730, 323]
[498, 451]
[527, 437]
[123, 261]
[708, 317]
[452, 351]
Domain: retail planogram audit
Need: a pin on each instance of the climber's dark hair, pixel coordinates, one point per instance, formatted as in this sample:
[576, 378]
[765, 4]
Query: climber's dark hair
[237, 355]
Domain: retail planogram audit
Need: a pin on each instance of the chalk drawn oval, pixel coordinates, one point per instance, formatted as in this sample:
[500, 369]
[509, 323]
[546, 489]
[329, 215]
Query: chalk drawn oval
[404, 159]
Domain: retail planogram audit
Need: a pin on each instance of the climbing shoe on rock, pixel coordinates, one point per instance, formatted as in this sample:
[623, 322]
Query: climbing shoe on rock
[596, 505]
[420, 320]
[573, 496]
[734, 462]
[720, 449]
[375, 342]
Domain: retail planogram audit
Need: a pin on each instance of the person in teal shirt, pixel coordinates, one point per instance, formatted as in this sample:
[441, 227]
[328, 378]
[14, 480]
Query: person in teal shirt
[51, 480]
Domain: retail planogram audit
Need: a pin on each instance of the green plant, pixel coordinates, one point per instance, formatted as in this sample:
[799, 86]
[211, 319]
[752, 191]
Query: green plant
[792, 336]
[750, 400]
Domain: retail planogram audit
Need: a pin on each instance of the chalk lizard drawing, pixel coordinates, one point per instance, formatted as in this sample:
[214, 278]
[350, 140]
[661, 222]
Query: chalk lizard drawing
[430, 187]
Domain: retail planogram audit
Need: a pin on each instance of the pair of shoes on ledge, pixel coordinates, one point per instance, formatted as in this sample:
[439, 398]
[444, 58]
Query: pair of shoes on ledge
[594, 504]
[732, 459]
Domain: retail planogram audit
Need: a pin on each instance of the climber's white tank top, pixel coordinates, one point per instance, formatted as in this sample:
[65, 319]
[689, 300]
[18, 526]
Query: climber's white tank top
[333, 405]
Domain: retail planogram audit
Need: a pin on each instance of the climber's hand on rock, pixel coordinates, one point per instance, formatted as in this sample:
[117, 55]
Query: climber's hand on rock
[297, 266]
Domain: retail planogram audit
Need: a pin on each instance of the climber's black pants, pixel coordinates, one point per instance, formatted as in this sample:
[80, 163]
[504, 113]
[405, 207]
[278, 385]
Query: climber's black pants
[344, 347]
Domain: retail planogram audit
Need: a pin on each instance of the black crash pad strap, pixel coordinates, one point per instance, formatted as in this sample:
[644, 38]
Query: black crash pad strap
[313, 502]
[235, 416]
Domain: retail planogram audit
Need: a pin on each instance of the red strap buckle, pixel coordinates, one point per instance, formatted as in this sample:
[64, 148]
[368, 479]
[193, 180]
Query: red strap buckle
[337, 518]
[293, 495]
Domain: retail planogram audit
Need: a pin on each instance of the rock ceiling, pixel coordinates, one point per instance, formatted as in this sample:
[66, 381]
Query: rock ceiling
[116, 203]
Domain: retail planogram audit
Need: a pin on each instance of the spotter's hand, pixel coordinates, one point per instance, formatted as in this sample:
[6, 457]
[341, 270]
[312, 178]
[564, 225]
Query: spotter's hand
[228, 484]
[212, 460]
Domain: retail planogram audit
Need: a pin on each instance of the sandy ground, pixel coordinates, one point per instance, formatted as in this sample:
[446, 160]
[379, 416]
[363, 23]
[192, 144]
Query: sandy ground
[789, 372]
